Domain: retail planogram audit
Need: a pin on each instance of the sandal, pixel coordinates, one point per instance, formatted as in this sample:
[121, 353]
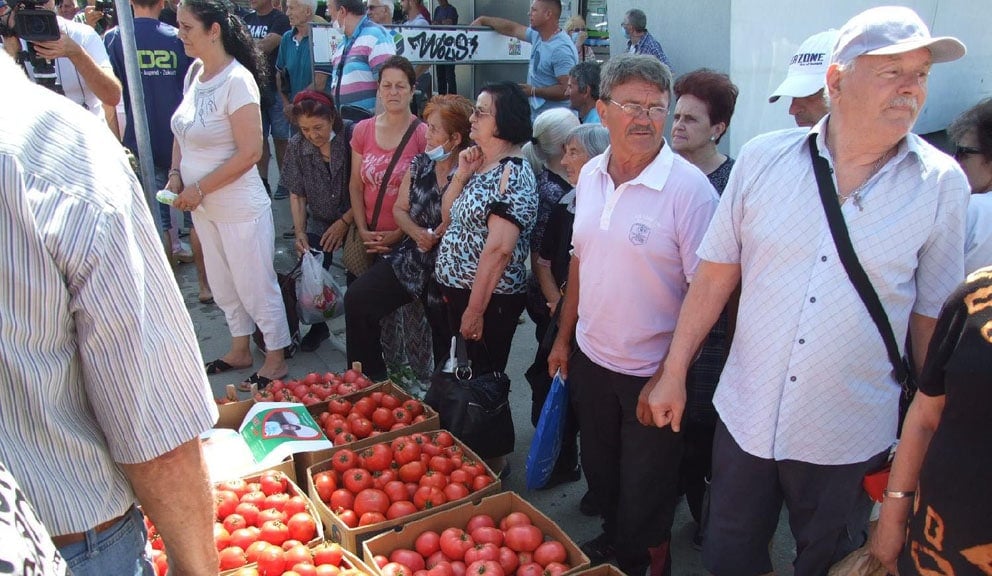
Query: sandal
[260, 382]
[218, 366]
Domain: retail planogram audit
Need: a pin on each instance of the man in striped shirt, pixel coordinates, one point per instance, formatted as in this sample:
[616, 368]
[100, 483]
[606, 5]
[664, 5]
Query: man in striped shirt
[355, 64]
[102, 390]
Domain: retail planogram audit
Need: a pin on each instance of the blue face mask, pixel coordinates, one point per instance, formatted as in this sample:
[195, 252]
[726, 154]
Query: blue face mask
[626, 34]
[437, 154]
[575, 36]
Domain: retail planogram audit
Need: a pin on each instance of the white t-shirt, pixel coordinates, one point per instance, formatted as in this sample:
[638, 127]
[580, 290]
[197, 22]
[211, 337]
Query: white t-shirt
[202, 125]
[72, 82]
[978, 233]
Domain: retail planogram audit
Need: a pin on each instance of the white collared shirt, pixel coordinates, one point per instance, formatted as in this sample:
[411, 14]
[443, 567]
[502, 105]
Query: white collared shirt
[636, 244]
[808, 377]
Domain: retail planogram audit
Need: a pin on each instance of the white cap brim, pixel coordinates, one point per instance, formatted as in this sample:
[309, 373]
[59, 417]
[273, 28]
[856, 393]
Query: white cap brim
[942, 48]
[798, 86]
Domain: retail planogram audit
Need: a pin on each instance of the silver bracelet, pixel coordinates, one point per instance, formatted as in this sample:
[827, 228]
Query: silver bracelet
[898, 493]
[200, 192]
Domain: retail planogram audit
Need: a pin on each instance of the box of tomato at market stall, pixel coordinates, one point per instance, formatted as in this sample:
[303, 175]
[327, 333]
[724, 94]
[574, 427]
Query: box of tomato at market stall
[409, 477]
[375, 434]
[525, 542]
[601, 570]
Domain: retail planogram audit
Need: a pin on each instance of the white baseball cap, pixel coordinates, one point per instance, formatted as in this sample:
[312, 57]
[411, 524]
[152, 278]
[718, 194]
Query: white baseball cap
[892, 30]
[808, 67]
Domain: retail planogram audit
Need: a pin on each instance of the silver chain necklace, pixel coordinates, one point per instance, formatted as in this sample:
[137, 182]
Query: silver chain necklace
[855, 195]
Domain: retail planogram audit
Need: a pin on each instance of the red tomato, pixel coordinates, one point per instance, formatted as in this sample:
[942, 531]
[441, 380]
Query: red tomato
[371, 500]
[437, 557]
[357, 479]
[225, 501]
[271, 562]
[441, 464]
[556, 569]
[300, 390]
[311, 398]
[339, 406]
[461, 477]
[530, 569]
[290, 543]
[311, 379]
[343, 461]
[440, 569]
[274, 532]
[234, 521]
[389, 402]
[377, 458]
[430, 449]
[508, 560]
[433, 479]
[221, 536]
[238, 486]
[269, 514]
[298, 554]
[480, 482]
[346, 388]
[273, 483]
[302, 527]
[487, 551]
[277, 501]
[327, 570]
[489, 534]
[414, 407]
[473, 468]
[455, 491]
[427, 543]
[419, 419]
[396, 491]
[349, 518]
[364, 406]
[370, 518]
[325, 484]
[405, 450]
[303, 569]
[514, 519]
[255, 549]
[484, 568]
[444, 439]
[395, 569]
[361, 427]
[383, 418]
[458, 568]
[344, 438]
[411, 471]
[399, 509]
[428, 497]
[342, 499]
[550, 551]
[242, 538]
[523, 538]
[328, 553]
[455, 542]
[376, 397]
[380, 479]
[408, 558]
[380, 560]
[402, 416]
[478, 521]
[231, 558]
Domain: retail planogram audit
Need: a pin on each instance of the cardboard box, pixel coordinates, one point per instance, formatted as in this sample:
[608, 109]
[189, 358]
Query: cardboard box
[355, 562]
[497, 506]
[352, 538]
[601, 570]
[431, 422]
[231, 417]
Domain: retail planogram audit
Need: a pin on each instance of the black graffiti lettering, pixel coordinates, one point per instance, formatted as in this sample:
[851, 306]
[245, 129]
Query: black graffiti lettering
[443, 46]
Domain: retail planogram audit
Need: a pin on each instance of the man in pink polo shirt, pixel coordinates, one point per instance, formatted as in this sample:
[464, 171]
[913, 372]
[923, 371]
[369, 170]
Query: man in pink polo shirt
[641, 212]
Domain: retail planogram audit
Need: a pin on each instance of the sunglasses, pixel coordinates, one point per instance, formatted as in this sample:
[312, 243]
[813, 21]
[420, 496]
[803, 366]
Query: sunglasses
[962, 151]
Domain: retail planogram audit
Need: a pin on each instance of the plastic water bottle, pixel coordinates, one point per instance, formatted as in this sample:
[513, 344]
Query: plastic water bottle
[166, 197]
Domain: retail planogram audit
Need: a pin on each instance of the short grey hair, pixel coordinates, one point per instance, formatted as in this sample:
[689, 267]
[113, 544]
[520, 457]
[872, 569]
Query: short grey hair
[629, 67]
[586, 77]
[551, 130]
[311, 4]
[593, 138]
[637, 19]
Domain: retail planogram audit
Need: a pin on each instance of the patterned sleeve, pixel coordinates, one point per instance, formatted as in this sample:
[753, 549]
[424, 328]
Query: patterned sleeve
[722, 242]
[946, 335]
[383, 48]
[518, 203]
[941, 261]
[292, 174]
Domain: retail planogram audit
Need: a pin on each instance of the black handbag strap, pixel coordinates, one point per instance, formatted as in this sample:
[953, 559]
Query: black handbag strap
[856, 273]
[389, 171]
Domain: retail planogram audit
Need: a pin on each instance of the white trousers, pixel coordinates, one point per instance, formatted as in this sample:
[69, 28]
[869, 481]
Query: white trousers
[238, 258]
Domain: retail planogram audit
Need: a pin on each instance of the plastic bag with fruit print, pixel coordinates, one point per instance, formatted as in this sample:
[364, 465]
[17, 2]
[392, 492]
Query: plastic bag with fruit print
[318, 295]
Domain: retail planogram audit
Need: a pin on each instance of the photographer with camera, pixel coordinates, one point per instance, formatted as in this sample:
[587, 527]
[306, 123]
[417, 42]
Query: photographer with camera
[62, 53]
[98, 15]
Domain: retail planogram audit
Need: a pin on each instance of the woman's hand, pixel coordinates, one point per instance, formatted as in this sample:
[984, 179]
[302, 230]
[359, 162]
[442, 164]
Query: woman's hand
[471, 328]
[469, 160]
[425, 239]
[382, 242]
[174, 184]
[334, 236]
[189, 199]
[302, 243]
[889, 536]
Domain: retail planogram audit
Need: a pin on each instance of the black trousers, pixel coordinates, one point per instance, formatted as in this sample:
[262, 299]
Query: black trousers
[370, 298]
[499, 324]
[446, 79]
[632, 469]
[828, 510]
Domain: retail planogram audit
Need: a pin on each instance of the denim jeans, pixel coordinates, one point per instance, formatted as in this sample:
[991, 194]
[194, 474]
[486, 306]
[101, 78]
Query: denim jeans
[120, 549]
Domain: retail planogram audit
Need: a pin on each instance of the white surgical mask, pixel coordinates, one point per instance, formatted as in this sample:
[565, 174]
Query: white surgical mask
[438, 153]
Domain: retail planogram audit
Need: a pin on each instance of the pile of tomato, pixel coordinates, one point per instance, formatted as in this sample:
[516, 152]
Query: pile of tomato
[326, 559]
[483, 547]
[390, 480]
[345, 422]
[254, 521]
[313, 387]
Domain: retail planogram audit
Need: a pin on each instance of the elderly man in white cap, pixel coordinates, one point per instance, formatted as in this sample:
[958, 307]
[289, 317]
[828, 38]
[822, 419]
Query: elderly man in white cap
[806, 81]
[808, 401]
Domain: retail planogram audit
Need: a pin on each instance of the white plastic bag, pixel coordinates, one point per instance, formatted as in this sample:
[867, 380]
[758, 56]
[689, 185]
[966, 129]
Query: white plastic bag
[319, 297]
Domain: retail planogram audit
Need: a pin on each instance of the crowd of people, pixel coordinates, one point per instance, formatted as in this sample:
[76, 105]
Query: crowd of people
[705, 310]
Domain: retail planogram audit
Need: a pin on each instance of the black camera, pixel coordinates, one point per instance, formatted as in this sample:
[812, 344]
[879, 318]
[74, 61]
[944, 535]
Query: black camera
[107, 7]
[33, 24]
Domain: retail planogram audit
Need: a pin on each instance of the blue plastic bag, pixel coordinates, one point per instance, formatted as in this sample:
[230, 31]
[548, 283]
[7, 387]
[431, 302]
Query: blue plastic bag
[546, 445]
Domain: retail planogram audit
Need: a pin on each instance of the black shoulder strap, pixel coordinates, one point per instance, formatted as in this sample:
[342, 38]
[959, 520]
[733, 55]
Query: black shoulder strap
[856, 273]
[389, 171]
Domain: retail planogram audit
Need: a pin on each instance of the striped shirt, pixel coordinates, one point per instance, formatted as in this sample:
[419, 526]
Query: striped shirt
[98, 360]
[367, 50]
[808, 377]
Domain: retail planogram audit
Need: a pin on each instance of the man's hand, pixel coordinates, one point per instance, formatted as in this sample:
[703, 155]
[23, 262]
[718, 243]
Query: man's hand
[889, 536]
[643, 410]
[93, 16]
[667, 400]
[558, 357]
[63, 47]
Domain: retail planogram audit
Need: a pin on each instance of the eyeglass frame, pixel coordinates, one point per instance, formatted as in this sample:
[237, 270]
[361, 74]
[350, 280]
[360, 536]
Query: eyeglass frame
[632, 110]
[962, 151]
[480, 112]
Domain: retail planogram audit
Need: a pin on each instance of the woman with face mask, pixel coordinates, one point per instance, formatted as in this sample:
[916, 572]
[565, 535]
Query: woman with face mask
[408, 274]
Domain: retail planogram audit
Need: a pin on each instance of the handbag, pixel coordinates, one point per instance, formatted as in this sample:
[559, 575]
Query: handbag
[287, 287]
[546, 444]
[845, 250]
[354, 255]
[475, 408]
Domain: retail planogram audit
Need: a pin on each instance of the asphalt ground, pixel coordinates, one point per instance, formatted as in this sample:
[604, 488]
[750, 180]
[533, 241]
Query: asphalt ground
[560, 503]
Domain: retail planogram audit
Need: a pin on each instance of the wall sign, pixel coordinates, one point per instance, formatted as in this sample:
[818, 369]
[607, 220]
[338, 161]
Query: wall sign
[434, 45]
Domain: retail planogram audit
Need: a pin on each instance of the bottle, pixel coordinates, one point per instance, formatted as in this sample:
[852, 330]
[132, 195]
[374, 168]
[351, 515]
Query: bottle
[166, 196]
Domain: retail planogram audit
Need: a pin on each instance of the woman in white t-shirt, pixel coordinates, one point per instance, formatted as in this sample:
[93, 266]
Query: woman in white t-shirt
[218, 140]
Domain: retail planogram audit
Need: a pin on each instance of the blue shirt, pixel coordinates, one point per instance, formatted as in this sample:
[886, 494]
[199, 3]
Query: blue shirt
[592, 117]
[651, 47]
[367, 50]
[549, 60]
[163, 63]
[448, 12]
[295, 58]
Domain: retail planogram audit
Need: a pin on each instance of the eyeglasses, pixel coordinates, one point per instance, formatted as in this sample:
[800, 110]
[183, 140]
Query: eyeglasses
[962, 151]
[375, 6]
[637, 111]
[480, 112]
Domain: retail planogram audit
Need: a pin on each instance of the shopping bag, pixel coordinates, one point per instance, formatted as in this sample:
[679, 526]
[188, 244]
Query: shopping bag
[317, 294]
[546, 445]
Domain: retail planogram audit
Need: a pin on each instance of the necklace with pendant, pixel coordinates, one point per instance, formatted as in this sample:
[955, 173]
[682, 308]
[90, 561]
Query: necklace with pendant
[855, 195]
